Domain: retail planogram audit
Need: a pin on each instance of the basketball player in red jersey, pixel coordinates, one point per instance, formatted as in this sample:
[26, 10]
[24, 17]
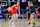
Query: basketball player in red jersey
[13, 12]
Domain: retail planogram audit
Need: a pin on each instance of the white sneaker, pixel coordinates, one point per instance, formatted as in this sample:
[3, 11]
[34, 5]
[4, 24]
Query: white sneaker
[9, 22]
[13, 23]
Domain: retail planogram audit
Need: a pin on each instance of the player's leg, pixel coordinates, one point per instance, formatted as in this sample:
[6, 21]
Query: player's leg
[28, 17]
[10, 20]
[13, 20]
[32, 19]
[16, 17]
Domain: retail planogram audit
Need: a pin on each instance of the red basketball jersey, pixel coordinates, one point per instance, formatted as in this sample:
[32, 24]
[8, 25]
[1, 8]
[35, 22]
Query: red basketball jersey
[14, 11]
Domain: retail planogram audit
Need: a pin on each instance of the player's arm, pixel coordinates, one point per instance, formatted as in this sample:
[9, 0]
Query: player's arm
[19, 10]
[7, 9]
[13, 6]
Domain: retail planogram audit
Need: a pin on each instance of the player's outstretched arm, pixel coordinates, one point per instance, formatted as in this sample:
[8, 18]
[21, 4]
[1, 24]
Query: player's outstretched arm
[13, 6]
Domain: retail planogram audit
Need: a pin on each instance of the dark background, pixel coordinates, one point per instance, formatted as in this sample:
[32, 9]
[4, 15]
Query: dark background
[23, 4]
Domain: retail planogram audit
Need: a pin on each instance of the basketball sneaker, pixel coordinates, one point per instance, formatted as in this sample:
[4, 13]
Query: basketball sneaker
[9, 22]
[13, 23]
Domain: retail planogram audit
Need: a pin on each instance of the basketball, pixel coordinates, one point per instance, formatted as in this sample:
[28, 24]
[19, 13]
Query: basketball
[9, 8]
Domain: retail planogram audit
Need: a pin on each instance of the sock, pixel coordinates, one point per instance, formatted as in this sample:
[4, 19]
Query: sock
[28, 21]
[31, 21]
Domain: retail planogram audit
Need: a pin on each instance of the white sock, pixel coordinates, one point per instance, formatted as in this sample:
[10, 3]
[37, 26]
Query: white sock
[13, 23]
[28, 21]
[31, 21]
[9, 22]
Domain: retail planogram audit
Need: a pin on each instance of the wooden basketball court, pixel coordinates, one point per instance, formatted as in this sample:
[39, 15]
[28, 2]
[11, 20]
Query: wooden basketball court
[18, 23]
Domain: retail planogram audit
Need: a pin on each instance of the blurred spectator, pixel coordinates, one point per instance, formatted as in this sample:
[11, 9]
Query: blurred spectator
[23, 15]
[36, 14]
[39, 12]
[0, 6]
[26, 15]
[6, 19]
[20, 16]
